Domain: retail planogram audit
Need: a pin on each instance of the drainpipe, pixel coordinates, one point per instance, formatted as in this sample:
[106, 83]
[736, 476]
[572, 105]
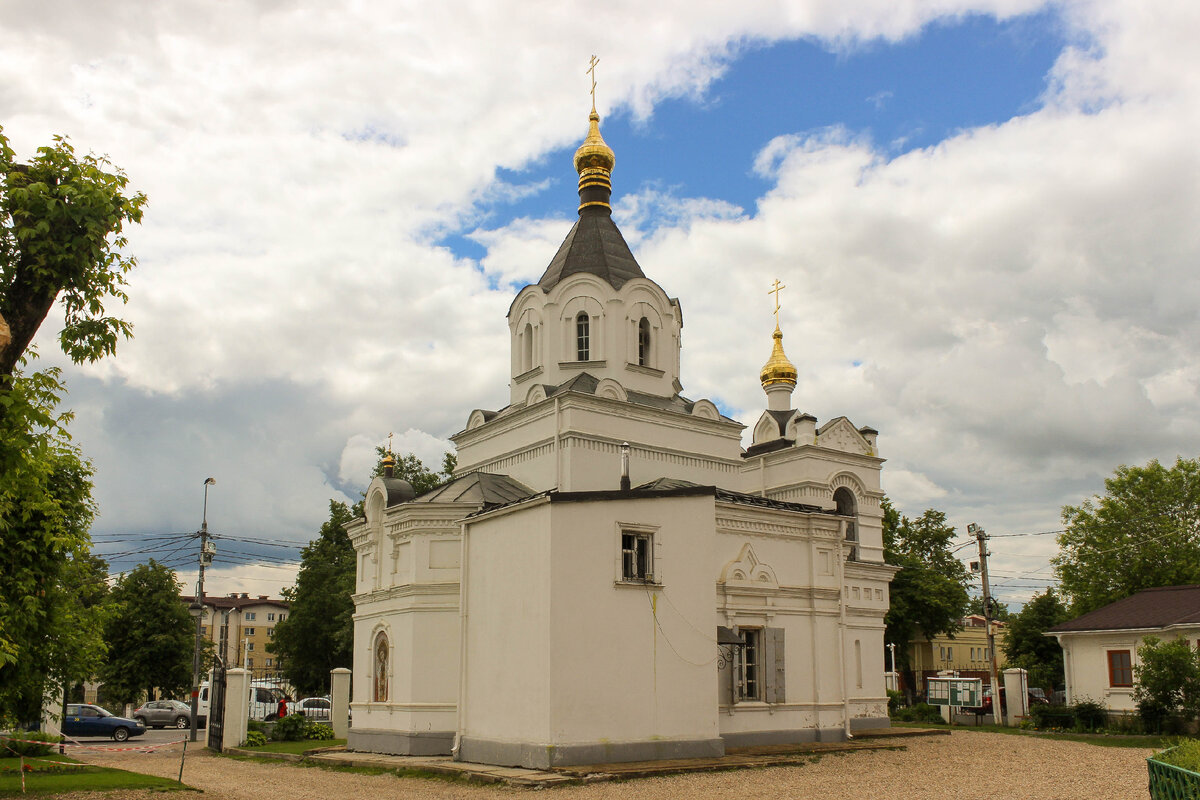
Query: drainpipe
[557, 446]
[842, 629]
[461, 706]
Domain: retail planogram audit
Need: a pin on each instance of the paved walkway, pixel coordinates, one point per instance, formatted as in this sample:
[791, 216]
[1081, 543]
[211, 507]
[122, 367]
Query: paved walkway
[735, 758]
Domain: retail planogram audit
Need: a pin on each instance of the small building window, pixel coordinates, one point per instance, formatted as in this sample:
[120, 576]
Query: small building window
[268, 662]
[270, 632]
[746, 666]
[250, 647]
[249, 616]
[637, 557]
[1120, 668]
[247, 631]
[249, 663]
[583, 337]
[270, 616]
[644, 342]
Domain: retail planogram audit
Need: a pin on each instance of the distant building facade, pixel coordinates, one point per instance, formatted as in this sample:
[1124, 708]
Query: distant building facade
[965, 652]
[240, 626]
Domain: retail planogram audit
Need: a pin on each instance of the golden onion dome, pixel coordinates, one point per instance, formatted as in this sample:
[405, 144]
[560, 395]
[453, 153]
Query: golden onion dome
[594, 153]
[778, 369]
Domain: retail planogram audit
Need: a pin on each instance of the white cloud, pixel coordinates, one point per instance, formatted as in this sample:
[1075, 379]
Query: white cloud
[1014, 308]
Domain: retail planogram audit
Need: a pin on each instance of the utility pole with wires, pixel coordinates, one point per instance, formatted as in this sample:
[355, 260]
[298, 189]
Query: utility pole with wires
[981, 537]
[207, 550]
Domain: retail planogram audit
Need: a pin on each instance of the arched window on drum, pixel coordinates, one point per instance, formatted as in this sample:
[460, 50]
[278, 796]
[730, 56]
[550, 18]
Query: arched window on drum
[847, 505]
[583, 337]
[644, 343]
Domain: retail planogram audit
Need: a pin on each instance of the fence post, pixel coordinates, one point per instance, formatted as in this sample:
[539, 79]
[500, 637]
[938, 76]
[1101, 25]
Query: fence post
[339, 711]
[237, 707]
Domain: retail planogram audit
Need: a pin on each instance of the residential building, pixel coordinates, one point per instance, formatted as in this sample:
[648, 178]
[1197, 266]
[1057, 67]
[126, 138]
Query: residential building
[1100, 647]
[240, 627]
[610, 575]
[966, 652]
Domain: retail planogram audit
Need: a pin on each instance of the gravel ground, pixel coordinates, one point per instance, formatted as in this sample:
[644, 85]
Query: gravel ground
[964, 766]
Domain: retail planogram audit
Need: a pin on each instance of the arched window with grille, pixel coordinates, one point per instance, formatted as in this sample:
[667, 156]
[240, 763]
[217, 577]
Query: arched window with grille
[583, 337]
[381, 653]
[848, 505]
[644, 343]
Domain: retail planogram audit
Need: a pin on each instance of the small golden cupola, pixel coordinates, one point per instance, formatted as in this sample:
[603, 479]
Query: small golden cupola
[594, 161]
[778, 375]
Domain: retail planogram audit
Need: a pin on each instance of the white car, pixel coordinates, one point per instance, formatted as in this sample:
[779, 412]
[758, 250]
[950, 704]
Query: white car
[317, 708]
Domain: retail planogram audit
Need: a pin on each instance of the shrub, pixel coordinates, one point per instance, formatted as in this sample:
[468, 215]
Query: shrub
[28, 744]
[1186, 754]
[319, 731]
[920, 712]
[1090, 715]
[895, 700]
[255, 739]
[257, 725]
[291, 728]
[1045, 717]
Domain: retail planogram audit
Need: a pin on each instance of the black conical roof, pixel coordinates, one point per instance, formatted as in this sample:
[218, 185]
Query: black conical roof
[595, 246]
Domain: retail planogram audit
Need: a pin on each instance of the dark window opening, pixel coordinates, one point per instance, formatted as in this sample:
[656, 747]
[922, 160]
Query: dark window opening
[583, 337]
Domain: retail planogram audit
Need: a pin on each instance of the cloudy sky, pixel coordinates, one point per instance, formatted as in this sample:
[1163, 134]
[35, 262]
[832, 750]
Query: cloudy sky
[985, 212]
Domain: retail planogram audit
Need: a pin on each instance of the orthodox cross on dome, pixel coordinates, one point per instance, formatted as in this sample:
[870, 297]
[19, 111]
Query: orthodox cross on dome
[591, 70]
[389, 443]
[775, 289]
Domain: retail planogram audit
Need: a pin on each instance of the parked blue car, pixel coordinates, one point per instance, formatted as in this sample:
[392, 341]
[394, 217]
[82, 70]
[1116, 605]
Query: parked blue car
[84, 719]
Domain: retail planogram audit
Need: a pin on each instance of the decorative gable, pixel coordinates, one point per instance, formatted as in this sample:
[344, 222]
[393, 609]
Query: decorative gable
[839, 434]
[747, 570]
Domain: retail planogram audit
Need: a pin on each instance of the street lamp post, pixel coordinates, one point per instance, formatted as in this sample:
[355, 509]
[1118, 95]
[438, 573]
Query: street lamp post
[197, 607]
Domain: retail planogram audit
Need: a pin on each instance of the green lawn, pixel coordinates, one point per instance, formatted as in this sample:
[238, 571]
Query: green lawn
[47, 779]
[296, 747]
[1098, 739]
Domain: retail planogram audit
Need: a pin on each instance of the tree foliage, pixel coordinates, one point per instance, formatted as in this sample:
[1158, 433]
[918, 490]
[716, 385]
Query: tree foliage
[1167, 682]
[50, 584]
[1144, 532]
[61, 223]
[929, 593]
[150, 635]
[318, 634]
[1000, 610]
[1029, 648]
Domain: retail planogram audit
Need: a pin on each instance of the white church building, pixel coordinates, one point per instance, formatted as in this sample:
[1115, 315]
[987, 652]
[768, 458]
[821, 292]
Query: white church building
[611, 576]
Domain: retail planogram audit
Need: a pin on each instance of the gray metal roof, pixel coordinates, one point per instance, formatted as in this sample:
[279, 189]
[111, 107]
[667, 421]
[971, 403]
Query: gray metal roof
[594, 245]
[478, 488]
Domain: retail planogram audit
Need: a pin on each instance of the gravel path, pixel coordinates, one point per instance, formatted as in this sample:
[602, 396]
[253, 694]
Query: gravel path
[964, 766]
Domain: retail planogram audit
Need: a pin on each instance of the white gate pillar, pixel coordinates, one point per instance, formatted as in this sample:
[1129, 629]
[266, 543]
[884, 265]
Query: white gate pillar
[237, 707]
[1016, 695]
[339, 703]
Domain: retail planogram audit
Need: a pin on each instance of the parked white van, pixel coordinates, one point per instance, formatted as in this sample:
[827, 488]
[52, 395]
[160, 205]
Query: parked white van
[264, 702]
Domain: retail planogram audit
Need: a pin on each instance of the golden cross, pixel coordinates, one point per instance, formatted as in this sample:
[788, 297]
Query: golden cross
[775, 291]
[389, 443]
[592, 71]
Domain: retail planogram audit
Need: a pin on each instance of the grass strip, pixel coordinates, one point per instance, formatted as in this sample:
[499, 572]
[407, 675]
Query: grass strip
[1097, 739]
[47, 778]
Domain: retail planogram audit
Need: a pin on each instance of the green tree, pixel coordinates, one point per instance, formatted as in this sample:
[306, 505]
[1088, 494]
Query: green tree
[929, 593]
[50, 584]
[150, 635]
[999, 610]
[318, 634]
[1144, 532]
[61, 223]
[1029, 648]
[1166, 684]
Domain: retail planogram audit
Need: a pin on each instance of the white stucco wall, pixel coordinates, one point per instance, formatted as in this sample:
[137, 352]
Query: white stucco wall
[1085, 661]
